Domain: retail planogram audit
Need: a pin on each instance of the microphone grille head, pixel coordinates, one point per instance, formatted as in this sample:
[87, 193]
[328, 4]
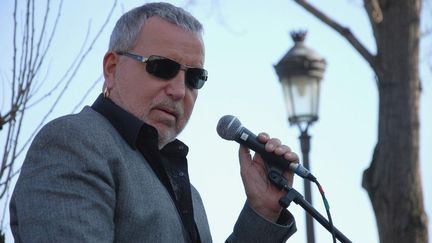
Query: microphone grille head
[229, 127]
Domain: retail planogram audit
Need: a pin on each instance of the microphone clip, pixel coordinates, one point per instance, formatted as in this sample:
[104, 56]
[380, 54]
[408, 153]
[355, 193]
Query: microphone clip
[276, 177]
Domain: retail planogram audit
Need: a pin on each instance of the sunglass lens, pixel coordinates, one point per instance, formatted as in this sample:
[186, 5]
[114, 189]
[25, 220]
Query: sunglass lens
[167, 69]
[196, 77]
[163, 68]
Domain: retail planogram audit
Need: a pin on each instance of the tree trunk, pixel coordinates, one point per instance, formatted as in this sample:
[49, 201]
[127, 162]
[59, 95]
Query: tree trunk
[393, 179]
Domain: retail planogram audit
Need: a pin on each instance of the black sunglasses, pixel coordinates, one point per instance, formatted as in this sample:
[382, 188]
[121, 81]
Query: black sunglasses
[167, 69]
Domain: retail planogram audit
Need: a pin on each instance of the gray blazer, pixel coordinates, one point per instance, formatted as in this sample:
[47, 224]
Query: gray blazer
[81, 182]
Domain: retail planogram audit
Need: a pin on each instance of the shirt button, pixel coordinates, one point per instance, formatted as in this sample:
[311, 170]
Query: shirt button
[181, 174]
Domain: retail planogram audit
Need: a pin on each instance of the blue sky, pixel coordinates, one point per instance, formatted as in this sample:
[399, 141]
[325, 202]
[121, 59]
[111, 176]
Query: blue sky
[244, 39]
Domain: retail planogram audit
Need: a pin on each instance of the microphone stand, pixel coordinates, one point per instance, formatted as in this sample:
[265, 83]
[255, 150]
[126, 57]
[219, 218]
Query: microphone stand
[294, 196]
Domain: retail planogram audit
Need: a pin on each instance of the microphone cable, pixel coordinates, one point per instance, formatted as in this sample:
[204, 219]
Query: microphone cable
[327, 208]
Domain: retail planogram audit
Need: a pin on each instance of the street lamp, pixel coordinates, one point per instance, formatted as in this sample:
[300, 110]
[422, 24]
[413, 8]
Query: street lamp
[300, 72]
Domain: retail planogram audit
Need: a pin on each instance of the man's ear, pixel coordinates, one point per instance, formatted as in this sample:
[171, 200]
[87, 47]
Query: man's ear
[110, 63]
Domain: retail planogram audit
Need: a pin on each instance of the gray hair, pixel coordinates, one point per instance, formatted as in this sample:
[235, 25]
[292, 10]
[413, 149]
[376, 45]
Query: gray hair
[127, 28]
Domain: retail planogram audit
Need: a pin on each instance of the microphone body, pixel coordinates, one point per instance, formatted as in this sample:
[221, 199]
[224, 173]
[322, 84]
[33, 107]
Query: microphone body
[230, 128]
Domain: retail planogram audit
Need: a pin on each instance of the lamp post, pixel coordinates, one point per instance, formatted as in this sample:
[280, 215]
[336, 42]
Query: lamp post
[300, 72]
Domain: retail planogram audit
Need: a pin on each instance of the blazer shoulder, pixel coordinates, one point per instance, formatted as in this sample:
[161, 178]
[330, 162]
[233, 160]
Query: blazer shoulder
[87, 125]
[87, 120]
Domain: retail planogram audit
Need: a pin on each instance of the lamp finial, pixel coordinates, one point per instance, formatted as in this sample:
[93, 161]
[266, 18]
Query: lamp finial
[298, 36]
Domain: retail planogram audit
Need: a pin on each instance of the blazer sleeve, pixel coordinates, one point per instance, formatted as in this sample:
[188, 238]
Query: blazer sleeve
[252, 228]
[65, 192]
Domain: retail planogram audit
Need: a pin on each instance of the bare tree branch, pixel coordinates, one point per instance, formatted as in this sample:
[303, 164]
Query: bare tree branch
[344, 31]
[69, 80]
[75, 63]
[86, 94]
[38, 61]
[375, 10]
[31, 43]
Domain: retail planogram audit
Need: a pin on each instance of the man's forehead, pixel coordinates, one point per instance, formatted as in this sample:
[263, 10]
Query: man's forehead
[159, 37]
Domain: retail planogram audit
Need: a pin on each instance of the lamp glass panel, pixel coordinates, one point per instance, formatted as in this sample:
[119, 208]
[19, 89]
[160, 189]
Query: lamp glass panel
[301, 97]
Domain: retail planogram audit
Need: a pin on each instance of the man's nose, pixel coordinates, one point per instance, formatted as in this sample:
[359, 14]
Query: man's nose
[176, 87]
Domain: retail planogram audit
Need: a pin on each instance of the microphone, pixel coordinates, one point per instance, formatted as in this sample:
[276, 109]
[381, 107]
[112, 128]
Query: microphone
[230, 128]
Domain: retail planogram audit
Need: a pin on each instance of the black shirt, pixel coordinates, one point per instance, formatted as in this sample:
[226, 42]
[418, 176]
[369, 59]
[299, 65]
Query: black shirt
[169, 163]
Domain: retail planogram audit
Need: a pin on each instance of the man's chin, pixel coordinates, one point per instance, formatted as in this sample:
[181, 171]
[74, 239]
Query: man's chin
[165, 139]
[165, 134]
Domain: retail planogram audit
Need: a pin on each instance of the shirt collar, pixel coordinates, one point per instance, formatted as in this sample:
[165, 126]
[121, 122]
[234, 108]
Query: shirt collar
[133, 130]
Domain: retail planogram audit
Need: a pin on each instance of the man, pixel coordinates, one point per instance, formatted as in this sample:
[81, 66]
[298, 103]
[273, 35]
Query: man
[115, 172]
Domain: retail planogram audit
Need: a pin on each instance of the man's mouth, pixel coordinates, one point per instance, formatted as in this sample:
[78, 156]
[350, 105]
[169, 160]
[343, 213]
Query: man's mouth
[167, 111]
